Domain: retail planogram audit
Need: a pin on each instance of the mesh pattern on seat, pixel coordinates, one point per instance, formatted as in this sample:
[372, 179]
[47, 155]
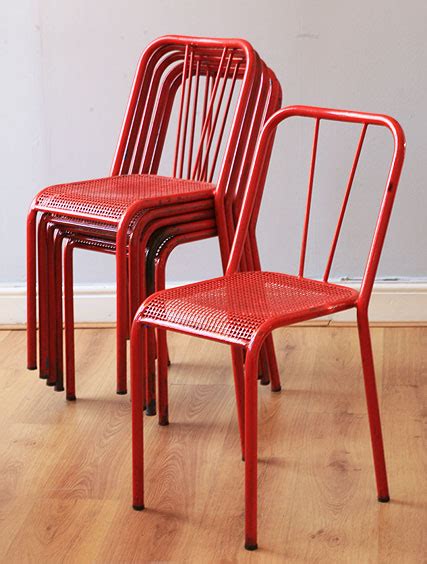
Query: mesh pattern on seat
[109, 198]
[233, 307]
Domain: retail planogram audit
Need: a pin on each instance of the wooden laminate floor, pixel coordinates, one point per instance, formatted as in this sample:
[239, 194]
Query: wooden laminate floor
[65, 481]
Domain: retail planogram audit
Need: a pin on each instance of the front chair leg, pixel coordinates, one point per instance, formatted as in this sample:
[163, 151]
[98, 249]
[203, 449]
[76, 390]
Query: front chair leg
[31, 291]
[42, 299]
[51, 300]
[138, 351]
[373, 408]
[69, 321]
[59, 385]
[251, 447]
[121, 307]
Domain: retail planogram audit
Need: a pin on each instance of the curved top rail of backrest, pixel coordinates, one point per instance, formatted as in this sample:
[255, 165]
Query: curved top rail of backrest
[175, 47]
[255, 185]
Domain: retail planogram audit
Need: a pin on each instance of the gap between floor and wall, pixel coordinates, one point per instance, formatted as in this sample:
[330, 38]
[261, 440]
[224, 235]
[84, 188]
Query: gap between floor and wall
[392, 302]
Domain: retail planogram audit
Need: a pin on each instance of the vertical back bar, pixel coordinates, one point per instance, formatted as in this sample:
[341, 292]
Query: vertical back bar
[162, 113]
[208, 116]
[181, 106]
[151, 102]
[345, 202]
[215, 118]
[153, 161]
[224, 121]
[309, 197]
[193, 122]
[187, 108]
[196, 171]
[134, 111]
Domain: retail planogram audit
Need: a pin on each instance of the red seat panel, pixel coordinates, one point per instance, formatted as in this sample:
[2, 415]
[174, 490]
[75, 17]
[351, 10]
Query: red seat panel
[232, 308]
[109, 198]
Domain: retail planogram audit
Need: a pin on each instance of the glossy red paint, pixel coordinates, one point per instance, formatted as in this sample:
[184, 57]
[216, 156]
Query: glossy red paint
[229, 68]
[243, 308]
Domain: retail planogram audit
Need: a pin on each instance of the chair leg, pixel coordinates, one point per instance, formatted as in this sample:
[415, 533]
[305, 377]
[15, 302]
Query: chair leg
[272, 362]
[121, 309]
[158, 271]
[264, 368]
[373, 408]
[152, 347]
[31, 292]
[251, 448]
[269, 343]
[162, 370]
[239, 387]
[69, 322]
[138, 347]
[59, 385]
[43, 301]
[50, 234]
[151, 408]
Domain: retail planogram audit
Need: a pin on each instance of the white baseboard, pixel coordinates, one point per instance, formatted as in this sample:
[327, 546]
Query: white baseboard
[391, 302]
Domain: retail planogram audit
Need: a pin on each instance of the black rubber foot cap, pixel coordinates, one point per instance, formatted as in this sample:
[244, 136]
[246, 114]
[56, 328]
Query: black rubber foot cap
[43, 376]
[151, 408]
[138, 507]
[32, 367]
[121, 392]
[50, 383]
[71, 398]
[169, 362]
[163, 422]
[264, 382]
[276, 390]
[251, 546]
[384, 499]
[59, 388]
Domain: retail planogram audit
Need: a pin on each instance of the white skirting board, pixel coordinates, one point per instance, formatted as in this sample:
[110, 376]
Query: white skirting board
[391, 302]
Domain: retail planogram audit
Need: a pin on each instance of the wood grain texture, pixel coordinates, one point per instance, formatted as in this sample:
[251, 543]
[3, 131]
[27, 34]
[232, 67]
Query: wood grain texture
[65, 483]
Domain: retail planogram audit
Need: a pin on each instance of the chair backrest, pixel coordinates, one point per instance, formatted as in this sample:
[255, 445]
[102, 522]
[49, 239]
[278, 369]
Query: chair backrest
[268, 101]
[256, 182]
[222, 93]
[209, 81]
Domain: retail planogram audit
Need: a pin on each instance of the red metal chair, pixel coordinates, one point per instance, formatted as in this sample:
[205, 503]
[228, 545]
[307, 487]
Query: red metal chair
[272, 101]
[243, 308]
[270, 93]
[109, 209]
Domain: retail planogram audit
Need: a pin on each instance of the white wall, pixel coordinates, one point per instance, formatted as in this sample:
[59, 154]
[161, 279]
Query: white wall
[66, 73]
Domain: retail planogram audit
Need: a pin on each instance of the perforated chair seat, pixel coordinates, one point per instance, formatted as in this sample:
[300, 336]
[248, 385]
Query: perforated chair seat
[107, 199]
[233, 308]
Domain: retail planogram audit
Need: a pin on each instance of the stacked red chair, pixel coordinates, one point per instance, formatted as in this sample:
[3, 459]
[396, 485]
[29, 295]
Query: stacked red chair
[242, 308]
[221, 93]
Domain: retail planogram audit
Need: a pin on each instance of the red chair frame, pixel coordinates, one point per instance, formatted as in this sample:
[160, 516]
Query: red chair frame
[306, 299]
[269, 364]
[131, 136]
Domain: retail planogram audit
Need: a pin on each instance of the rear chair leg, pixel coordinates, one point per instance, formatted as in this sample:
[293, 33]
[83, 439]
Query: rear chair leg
[272, 361]
[162, 370]
[151, 373]
[239, 387]
[373, 408]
